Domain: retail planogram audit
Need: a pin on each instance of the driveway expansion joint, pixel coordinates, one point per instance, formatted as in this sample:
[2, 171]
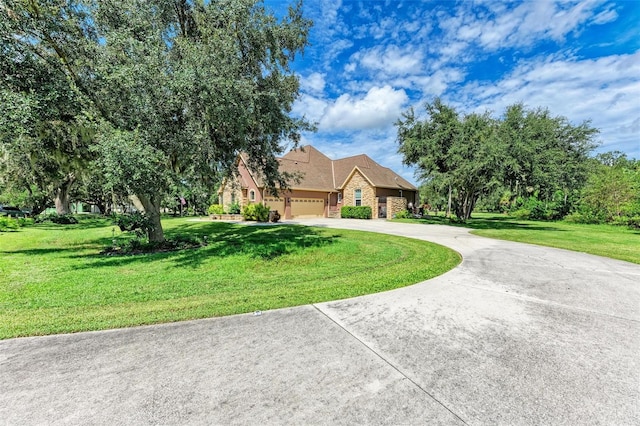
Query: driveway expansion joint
[390, 364]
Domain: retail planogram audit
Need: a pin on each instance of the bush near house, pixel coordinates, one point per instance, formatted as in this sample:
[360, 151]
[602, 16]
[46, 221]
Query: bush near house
[355, 212]
[404, 214]
[216, 209]
[257, 212]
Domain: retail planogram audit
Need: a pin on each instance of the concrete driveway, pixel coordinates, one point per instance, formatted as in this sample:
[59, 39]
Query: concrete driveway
[516, 335]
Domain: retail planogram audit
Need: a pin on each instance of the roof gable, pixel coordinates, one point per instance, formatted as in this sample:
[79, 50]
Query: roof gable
[320, 173]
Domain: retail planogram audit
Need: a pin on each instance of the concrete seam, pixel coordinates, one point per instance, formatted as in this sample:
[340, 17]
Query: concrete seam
[386, 361]
[549, 302]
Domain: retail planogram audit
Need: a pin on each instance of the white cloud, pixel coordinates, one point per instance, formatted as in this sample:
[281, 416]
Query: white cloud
[334, 49]
[380, 107]
[604, 90]
[313, 83]
[494, 26]
[310, 107]
[391, 60]
[605, 17]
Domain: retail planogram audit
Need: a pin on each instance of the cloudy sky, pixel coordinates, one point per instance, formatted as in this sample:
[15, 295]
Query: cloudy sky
[370, 60]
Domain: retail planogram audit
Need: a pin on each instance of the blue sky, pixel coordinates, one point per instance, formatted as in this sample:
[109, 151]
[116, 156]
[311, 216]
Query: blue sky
[370, 60]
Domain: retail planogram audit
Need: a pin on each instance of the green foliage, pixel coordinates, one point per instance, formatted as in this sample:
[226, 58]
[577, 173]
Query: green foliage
[257, 211]
[234, 208]
[535, 209]
[356, 212]
[164, 95]
[612, 192]
[215, 209]
[8, 224]
[404, 214]
[133, 222]
[60, 219]
[474, 156]
[138, 246]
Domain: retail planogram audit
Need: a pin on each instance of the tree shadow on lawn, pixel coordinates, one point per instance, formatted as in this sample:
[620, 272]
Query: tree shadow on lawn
[494, 222]
[83, 223]
[223, 240]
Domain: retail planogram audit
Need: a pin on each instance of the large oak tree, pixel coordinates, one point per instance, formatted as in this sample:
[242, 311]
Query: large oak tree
[526, 151]
[176, 88]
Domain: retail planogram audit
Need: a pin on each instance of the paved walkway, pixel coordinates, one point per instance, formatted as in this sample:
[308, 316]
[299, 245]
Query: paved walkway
[516, 335]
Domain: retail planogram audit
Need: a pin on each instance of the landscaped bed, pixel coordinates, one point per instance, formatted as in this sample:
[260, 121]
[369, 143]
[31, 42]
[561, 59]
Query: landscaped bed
[56, 280]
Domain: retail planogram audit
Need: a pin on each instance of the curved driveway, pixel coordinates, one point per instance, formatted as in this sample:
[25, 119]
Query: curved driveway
[516, 335]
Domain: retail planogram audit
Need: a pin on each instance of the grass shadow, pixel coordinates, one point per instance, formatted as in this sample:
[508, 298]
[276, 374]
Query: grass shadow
[493, 222]
[223, 239]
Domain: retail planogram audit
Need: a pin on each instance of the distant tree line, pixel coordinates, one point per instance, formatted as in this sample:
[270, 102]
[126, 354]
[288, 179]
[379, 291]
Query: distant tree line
[528, 163]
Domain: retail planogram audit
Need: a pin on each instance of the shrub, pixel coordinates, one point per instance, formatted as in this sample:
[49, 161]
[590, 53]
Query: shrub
[234, 208]
[258, 212]
[521, 214]
[137, 222]
[630, 221]
[404, 214]
[355, 212]
[8, 224]
[586, 216]
[216, 209]
[61, 219]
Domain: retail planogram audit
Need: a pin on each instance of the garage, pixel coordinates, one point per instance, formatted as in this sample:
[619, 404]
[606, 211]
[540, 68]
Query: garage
[275, 203]
[307, 207]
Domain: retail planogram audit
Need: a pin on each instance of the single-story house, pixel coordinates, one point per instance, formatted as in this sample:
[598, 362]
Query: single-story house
[325, 186]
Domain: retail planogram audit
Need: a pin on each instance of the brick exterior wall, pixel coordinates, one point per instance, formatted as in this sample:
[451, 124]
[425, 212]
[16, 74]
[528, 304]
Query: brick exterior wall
[395, 205]
[232, 191]
[358, 181]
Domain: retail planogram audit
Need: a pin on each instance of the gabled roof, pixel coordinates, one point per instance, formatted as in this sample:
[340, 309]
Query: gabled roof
[314, 166]
[320, 173]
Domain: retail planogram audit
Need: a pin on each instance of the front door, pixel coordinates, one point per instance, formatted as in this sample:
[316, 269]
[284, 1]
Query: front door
[382, 208]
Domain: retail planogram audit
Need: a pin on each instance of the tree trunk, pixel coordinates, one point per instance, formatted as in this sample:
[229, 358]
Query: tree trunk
[449, 203]
[150, 206]
[62, 201]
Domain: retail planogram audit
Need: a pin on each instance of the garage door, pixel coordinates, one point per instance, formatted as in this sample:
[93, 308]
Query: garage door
[275, 204]
[309, 207]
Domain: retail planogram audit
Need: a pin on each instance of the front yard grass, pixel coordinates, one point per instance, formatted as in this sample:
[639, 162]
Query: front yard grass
[616, 242]
[54, 279]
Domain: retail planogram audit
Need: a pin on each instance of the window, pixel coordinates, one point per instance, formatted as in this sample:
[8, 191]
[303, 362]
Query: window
[233, 198]
[358, 197]
[252, 195]
[339, 197]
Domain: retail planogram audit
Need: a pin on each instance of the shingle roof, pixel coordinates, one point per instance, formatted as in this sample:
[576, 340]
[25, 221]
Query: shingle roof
[314, 166]
[319, 172]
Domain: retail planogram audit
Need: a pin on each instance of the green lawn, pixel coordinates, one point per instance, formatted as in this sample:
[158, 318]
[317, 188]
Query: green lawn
[55, 280]
[616, 242]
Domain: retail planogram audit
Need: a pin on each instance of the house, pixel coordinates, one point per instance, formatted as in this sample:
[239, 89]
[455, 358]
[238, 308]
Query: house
[325, 186]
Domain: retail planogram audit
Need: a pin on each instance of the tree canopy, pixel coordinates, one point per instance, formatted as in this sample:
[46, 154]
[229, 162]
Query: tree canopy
[174, 89]
[525, 152]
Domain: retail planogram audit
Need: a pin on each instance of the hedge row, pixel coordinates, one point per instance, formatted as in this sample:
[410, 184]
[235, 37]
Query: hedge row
[355, 212]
